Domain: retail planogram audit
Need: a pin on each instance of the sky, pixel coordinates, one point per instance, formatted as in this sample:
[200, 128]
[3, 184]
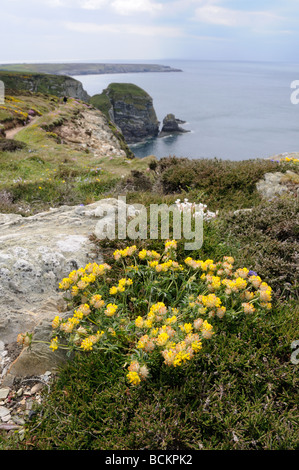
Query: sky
[128, 30]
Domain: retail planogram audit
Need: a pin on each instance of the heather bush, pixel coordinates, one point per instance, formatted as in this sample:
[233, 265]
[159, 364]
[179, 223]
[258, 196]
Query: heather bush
[267, 237]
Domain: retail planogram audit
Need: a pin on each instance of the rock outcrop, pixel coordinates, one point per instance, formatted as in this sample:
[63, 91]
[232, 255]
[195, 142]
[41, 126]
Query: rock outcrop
[277, 184]
[131, 109]
[171, 125]
[61, 85]
[36, 253]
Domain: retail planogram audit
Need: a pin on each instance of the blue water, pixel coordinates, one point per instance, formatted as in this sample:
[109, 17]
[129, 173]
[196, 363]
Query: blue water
[234, 110]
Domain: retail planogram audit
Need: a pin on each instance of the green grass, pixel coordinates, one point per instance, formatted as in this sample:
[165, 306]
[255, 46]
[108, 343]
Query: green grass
[102, 102]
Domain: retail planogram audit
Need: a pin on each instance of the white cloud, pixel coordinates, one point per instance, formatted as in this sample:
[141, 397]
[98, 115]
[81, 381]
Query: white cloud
[127, 7]
[210, 12]
[92, 4]
[138, 30]
[121, 7]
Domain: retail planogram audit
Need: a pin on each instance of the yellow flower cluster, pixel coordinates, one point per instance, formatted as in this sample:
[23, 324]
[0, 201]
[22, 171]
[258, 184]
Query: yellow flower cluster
[128, 251]
[122, 283]
[137, 373]
[80, 279]
[199, 289]
[148, 254]
[290, 159]
[169, 265]
[220, 277]
[87, 343]
[176, 345]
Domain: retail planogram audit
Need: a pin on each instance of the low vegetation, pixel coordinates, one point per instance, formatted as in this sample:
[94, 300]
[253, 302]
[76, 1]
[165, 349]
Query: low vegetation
[237, 389]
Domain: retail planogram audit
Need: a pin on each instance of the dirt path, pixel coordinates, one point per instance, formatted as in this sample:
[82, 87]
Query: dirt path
[12, 132]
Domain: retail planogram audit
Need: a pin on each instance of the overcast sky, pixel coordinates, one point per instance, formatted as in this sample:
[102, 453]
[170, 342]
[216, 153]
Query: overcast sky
[127, 30]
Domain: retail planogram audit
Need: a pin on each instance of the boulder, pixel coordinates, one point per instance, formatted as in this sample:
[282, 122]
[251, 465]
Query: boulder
[277, 184]
[36, 253]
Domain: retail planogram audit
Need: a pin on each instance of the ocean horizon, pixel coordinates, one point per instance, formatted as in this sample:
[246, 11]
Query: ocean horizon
[233, 110]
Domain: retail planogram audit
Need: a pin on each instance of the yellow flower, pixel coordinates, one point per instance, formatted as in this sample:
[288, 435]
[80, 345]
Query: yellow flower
[240, 283]
[242, 273]
[78, 314]
[169, 356]
[110, 310]
[162, 339]
[65, 283]
[86, 344]
[207, 330]
[142, 254]
[133, 378]
[56, 322]
[196, 346]
[170, 244]
[255, 281]
[54, 344]
[171, 320]
[96, 301]
[211, 301]
[142, 342]
[181, 358]
[229, 259]
[248, 308]
[221, 311]
[186, 328]
[148, 323]
[139, 322]
[75, 291]
[113, 290]
[85, 309]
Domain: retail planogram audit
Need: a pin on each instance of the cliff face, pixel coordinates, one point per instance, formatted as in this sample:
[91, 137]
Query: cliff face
[131, 109]
[44, 83]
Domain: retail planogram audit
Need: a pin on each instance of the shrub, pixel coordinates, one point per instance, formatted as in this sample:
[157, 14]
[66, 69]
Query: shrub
[223, 183]
[267, 237]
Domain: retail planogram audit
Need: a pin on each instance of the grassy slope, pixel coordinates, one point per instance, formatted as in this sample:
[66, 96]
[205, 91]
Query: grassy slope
[47, 173]
[241, 392]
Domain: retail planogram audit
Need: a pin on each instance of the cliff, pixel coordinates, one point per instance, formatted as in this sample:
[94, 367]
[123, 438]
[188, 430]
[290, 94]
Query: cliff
[44, 83]
[131, 109]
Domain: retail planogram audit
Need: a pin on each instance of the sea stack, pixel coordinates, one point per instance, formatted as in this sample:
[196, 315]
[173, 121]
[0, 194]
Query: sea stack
[131, 109]
[171, 125]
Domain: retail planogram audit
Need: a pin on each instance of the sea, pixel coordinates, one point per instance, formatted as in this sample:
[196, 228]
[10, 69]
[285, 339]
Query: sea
[233, 110]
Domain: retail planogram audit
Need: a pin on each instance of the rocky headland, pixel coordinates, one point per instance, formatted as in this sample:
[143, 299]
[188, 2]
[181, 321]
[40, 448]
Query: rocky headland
[88, 68]
[131, 109]
[44, 83]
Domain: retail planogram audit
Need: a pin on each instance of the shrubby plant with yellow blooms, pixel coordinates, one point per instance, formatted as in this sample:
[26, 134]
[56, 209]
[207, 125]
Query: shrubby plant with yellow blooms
[159, 310]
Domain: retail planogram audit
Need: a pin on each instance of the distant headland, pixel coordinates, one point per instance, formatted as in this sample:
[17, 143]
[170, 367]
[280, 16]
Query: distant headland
[86, 69]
